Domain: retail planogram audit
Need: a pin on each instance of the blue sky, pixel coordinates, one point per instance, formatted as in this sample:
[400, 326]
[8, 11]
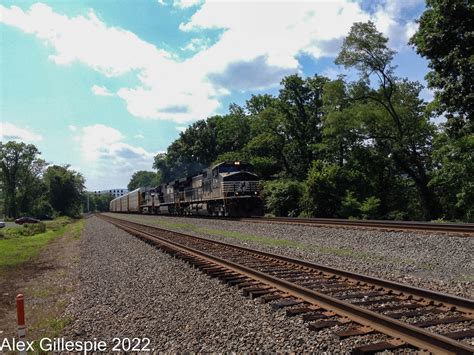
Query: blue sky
[105, 85]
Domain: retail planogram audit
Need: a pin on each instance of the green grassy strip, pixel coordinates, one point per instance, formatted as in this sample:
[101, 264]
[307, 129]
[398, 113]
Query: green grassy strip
[16, 251]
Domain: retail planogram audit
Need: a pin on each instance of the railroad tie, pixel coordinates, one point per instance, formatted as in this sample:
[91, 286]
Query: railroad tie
[396, 307]
[415, 313]
[248, 284]
[373, 302]
[229, 276]
[300, 310]
[449, 320]
[461, 334]
[260, 293]
[238, 280]
[359, 295]
[356, 331]
[247, 290]
[324, 324]
[392, 344]
[286, 303]
[314, 316]
[217, 273]
[278, 296]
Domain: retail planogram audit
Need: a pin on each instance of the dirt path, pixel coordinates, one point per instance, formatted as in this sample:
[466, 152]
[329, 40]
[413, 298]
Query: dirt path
[47, 283]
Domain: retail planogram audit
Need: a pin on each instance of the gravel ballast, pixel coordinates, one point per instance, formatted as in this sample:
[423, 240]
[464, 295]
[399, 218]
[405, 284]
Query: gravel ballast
[127, 288]
[434, 261]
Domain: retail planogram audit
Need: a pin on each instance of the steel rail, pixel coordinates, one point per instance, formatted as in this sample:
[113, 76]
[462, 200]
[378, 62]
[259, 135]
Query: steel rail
[416, 336]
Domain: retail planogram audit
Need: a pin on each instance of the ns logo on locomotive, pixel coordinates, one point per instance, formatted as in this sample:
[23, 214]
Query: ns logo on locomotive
[229, 189]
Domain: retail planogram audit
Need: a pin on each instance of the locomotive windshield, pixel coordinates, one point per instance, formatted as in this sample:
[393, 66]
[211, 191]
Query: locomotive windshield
[232, 168]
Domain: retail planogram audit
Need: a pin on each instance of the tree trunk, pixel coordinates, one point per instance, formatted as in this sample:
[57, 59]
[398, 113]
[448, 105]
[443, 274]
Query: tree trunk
[429, 202]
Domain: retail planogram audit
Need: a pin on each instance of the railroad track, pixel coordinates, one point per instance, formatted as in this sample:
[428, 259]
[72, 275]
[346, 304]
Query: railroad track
[450, 229]
[464, 229]
[327, 297]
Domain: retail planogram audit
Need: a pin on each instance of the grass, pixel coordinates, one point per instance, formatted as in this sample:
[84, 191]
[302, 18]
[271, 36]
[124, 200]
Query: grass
[16, 251]
[59, 222]
[50, 327]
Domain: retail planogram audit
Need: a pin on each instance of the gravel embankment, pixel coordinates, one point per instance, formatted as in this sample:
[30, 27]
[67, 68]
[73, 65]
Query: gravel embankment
[435, 261]
[127, 288]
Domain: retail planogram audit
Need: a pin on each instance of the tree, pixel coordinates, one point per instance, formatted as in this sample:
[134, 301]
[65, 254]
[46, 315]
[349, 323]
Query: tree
[232, 130]
[65, 189]
[283, 197]
[445, 37]
[267, 143]
[398, 120]
[96, 203]
[300, 103]
[143, 178]
[325, 187]
[20, 165]
[453, 179]
[195, 149]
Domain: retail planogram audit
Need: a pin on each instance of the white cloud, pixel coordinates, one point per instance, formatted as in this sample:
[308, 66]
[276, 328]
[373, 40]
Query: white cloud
[107, 159]
[103, 142]
[181, 128]
[10, 132]
[139, 136]
[197, 45]
[260, 41]
[101, 91]
[389, 19]
[184, 4]
[72, 128]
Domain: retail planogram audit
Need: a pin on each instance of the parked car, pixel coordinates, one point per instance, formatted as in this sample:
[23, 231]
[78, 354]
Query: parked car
[45, 217]
[2, 224]
[23, 220]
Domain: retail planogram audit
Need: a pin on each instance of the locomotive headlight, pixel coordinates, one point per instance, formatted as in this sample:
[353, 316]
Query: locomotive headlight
[236, 162]
[256, 192]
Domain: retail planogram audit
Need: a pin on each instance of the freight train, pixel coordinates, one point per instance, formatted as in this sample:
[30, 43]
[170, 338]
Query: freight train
[229, 189]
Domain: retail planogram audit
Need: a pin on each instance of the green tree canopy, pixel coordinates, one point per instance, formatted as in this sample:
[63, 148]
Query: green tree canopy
[65, 188]
[143, 178]
[20, 167]
[397, 120]
[445, 37]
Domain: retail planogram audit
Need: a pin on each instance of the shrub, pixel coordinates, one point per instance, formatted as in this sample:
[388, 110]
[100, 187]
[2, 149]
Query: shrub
[58, 222]
[25, 230]
[370, 207]
[350, 206]
[282, 198]
[29, 229]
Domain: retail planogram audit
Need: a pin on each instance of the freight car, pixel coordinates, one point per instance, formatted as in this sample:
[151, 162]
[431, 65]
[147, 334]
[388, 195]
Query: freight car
[226, 189]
